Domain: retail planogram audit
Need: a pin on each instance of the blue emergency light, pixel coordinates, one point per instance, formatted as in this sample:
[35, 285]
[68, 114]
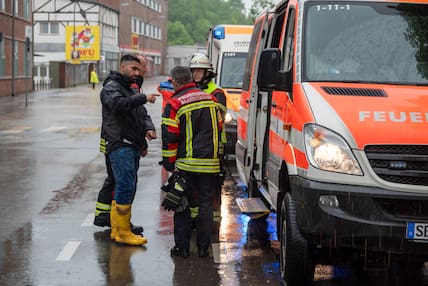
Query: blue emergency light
[218, 33]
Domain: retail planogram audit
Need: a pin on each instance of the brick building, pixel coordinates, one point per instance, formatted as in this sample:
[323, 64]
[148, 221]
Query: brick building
[143, 29]
[15, 47]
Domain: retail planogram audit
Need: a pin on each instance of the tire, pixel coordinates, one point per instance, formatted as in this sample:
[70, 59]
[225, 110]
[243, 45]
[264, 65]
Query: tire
[296, 261]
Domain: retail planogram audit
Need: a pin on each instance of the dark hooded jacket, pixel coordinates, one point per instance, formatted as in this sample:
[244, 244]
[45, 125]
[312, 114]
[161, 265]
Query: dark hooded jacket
[125, 119]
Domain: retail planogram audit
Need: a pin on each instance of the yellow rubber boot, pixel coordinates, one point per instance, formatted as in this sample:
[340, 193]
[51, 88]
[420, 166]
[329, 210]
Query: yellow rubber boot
[123, 229]
[113, 222]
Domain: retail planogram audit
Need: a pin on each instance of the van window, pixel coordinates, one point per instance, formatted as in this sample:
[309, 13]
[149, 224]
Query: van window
[365, 42]
[251, 55]
[276, 36]
[289, 41]
[232, 69]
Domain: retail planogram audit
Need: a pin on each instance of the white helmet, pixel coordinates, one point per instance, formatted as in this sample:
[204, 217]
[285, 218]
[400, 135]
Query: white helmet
[200, 60]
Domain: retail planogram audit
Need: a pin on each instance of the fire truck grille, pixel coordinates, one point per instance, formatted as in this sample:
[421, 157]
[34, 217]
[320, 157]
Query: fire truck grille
[409, 209]
[402, 164]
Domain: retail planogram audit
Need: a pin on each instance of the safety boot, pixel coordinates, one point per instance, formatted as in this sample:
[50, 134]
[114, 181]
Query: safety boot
[122, 221]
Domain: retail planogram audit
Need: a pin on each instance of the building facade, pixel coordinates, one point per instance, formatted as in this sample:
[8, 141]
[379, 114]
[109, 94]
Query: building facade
[16, 39]
[143, 29]
[58, 24]
[131, 26]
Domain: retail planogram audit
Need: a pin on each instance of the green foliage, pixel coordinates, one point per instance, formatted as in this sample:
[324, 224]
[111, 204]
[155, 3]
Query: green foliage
[190, 20]
[259, 6]
[177, 34]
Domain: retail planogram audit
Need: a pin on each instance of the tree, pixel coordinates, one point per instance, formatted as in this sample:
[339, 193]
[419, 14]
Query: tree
[197, 16]
[259, 6]
[177, 34]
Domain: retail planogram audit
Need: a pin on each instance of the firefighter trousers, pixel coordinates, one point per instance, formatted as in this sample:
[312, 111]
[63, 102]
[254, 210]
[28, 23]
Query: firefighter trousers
[200, 194]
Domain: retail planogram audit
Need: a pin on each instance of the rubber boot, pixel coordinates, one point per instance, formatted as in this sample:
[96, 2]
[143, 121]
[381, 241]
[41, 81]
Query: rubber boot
[122, 218]
[113, 221]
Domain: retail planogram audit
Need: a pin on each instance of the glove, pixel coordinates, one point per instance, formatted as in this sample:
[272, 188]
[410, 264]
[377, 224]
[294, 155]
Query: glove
[173, 199]
[183, 205]
[169, 185]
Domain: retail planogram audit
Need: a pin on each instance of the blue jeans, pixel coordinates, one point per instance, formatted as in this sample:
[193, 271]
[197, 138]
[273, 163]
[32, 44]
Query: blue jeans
[125, 162]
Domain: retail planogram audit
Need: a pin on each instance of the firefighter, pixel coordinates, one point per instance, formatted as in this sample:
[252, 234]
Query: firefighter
[191, 128]
[203, 74]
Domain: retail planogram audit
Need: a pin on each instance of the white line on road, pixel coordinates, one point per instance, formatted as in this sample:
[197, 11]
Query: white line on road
[216, 252]
[88, 220]
[68, 250]
[53, 129]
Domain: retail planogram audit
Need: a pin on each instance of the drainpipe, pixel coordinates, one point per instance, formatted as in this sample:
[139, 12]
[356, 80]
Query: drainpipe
[13, 48]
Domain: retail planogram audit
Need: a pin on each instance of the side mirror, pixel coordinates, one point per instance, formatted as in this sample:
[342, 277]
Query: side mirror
[285, 80]
[267, 77]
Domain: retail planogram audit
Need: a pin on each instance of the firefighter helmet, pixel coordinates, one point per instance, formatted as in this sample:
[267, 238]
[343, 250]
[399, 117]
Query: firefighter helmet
[201, 61]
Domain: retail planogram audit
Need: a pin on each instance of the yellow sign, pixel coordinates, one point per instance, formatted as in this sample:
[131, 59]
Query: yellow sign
[82, 43]
[134, 41]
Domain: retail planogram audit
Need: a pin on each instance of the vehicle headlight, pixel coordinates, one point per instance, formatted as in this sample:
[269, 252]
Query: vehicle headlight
[328, 151]
[229, 117]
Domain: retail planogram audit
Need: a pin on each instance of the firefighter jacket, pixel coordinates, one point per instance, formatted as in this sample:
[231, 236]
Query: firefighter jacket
[191, 128]
[125, 120]
[212, 88]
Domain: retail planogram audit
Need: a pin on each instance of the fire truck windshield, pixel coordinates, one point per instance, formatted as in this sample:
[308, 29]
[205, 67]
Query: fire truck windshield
[365, 42]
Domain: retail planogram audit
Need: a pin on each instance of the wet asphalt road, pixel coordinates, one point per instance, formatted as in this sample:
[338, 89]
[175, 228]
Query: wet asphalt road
[50, 174]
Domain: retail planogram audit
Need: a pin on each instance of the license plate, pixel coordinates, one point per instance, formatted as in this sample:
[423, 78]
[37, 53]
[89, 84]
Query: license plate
[417, 231]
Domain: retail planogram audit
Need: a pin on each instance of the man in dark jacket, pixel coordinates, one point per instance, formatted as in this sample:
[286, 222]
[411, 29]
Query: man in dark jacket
[124, 128]
[191, 128]
[105, 195]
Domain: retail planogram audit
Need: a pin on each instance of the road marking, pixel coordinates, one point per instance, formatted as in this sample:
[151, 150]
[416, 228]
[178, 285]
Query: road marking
[216, 252]
[53, 129]
[88, 220]
[15, 130]
[68, 250]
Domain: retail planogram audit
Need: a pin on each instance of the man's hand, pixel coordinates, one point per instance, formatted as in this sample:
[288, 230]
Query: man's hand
[152, 97]
[143, 153]
[150, 134]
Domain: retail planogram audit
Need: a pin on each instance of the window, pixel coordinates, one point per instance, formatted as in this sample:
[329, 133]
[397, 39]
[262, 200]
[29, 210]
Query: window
[2, 5]
[177, 61]
[26, 12]
[54, 28]
[16, 5]
[49, 28]
[134, 25]
[16, 57]
[2, 56]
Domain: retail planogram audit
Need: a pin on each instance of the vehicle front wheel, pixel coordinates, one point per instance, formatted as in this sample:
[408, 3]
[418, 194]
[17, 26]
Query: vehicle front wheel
[296, 261]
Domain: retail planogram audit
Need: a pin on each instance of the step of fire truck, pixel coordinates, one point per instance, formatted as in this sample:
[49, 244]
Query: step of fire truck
[253, 207]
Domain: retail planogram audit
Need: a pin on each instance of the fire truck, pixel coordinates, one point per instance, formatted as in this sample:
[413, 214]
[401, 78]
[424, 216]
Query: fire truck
[333, 130]
[227, 47]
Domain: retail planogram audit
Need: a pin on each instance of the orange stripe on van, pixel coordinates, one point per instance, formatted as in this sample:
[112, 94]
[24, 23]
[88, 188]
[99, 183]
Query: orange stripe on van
[238, 29]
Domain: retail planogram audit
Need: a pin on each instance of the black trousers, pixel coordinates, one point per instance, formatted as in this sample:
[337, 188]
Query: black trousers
[201, 193]
[105, 195]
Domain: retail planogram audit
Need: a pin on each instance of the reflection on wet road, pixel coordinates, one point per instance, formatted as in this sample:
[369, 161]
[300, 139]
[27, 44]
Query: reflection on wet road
[50, 174]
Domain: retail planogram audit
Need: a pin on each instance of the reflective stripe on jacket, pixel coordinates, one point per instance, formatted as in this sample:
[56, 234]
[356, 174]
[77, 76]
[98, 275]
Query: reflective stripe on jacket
[191, 128]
